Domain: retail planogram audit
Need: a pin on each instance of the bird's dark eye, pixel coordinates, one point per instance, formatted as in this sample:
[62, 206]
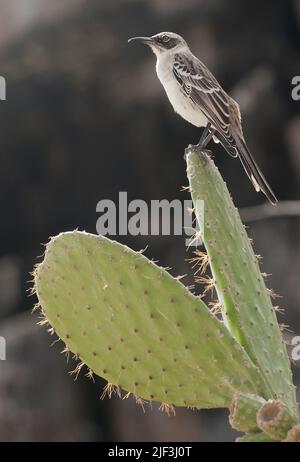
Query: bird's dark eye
[165, 38]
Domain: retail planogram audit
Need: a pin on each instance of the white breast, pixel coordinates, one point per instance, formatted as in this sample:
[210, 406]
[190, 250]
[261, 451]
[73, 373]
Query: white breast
[181, 103]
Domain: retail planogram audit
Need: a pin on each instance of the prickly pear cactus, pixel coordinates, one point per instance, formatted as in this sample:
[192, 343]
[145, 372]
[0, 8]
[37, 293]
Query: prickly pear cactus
[135, 325]
[138, 327]
[244, 299]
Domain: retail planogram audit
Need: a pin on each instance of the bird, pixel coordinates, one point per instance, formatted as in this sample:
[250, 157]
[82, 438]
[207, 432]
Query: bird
[197, 96]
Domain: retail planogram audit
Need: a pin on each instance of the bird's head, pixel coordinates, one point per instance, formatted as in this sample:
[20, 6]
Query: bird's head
[163, 42]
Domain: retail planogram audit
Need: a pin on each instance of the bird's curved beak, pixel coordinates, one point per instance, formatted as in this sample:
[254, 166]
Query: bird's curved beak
[146, 40]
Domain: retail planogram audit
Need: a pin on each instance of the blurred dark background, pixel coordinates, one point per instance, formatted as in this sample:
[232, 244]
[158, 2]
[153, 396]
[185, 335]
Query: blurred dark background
[85, 118]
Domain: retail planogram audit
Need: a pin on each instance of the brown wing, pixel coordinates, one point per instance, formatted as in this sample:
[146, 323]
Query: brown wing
[204, 90]
[222, 112]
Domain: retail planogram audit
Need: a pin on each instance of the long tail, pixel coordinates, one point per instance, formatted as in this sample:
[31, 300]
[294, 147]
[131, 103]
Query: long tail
[254, 173]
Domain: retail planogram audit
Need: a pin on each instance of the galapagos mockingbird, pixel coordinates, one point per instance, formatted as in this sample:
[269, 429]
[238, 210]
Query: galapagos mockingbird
[197, 96]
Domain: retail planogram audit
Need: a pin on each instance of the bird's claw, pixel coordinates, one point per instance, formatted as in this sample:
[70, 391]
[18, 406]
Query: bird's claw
[203, 153]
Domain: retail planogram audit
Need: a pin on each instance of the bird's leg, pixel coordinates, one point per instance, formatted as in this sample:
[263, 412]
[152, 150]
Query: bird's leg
[203, 142]
[206, 141]
[204, 136]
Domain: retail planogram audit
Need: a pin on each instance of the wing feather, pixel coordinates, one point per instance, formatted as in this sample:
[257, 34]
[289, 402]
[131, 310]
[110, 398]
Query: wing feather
[205, 91]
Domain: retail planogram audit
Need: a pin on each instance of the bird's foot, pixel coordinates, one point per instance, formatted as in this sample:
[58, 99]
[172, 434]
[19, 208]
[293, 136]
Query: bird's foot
[203, 153]
[207, 153]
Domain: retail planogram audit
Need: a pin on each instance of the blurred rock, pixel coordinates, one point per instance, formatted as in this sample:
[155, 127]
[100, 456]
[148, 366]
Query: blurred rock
[38, 399]
[10, 284]
[17, 17]
[292, 135]
[172, 5]
[133, 422]
[253, 89]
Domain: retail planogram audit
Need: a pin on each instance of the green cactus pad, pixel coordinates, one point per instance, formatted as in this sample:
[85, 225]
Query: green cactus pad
[246, 306]
[133, 324]
[243, 412]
